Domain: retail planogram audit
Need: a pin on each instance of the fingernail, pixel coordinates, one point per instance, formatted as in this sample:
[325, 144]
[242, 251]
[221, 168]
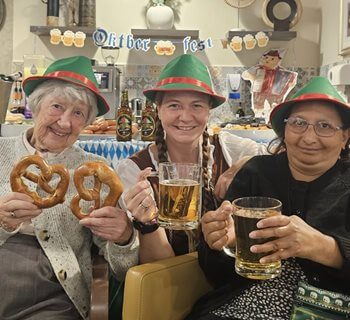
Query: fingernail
[253, 249]
[252, 235]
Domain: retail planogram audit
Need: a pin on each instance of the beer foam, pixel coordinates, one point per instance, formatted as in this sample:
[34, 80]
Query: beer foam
[256, 214]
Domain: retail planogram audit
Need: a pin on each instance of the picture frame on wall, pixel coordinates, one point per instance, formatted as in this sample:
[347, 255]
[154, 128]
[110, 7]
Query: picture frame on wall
[344, 41]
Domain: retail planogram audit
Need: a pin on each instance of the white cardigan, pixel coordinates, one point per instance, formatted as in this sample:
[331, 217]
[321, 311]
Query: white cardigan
[69, 244]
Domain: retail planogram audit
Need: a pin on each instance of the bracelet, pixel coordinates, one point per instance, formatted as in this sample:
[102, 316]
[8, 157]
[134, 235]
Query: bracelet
[145, 228]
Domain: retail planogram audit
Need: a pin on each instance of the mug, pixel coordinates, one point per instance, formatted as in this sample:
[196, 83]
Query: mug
[179, 195]
[247, 212]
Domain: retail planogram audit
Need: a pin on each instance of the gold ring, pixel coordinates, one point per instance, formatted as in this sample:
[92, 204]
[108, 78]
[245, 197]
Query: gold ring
[143, 206]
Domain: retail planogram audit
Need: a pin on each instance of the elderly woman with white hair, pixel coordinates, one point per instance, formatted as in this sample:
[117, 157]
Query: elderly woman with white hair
[45, 254]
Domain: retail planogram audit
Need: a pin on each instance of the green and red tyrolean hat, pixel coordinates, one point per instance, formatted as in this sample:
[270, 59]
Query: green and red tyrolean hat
[317, 89]
[77, 70]
[185, 73]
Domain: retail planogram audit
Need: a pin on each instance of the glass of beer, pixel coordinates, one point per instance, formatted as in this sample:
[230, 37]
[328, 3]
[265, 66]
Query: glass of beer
[247, 212]
[179, 195]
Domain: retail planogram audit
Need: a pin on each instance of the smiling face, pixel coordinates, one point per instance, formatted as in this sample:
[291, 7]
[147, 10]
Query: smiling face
[58, 122]
[184, 116]
[310, 155]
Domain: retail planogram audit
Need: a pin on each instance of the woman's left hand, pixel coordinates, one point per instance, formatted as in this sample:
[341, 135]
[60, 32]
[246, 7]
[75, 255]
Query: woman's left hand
[293, 238]
[109, 223]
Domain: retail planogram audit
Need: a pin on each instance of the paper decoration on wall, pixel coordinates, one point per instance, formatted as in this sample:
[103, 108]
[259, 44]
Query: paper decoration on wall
[164, 48]
[249, 41]
[55, 36]
[103, 38]
[68, 38]
[236, 44]
[262, 39]
[270, 83]
[79, 39]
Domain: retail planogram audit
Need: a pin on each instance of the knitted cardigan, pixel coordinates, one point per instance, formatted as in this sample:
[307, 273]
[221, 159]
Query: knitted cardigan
[65, 242]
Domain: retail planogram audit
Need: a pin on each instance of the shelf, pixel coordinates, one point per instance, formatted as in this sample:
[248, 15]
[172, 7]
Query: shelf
[45, 30]
[273, 35]
[164, 34]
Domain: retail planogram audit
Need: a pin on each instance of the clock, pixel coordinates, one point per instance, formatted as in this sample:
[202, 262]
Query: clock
[2, 13]
[239, 3]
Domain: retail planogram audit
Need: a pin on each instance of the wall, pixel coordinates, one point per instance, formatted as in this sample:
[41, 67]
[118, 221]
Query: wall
[6, 38]
[212, 17]
[330, 26]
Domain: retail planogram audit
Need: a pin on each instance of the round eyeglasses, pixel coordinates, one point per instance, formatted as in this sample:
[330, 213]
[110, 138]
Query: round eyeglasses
[321, 128]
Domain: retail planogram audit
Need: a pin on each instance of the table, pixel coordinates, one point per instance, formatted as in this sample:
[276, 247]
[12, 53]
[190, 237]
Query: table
[112, 149]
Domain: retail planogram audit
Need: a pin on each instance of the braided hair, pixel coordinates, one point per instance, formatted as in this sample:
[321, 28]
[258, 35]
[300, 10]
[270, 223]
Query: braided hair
[162, 155]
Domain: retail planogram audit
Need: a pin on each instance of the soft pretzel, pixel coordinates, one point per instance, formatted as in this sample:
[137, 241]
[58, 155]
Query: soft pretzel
[56, 195]
[103, 174]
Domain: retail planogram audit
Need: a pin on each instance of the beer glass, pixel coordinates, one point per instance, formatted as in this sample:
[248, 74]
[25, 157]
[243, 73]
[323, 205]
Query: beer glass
[179, 195]
[247, 212]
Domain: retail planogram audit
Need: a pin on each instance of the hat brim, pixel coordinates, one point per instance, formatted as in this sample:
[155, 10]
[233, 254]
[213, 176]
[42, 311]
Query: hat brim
[151, 93]
[280, 112]
[31, 83]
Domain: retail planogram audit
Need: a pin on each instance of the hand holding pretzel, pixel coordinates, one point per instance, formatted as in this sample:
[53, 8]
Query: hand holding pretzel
[56, 195]
[103, 174]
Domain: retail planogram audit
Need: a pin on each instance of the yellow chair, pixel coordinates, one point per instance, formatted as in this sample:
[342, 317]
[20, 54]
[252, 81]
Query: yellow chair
[166, 289]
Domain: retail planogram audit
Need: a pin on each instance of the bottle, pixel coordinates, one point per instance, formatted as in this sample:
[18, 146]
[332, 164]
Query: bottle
[87, 13]
[124, 119]
[52, 16]
[240, 113]
[148, 122]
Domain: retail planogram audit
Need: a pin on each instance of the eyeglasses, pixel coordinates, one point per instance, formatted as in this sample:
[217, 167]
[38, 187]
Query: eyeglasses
[322, 128]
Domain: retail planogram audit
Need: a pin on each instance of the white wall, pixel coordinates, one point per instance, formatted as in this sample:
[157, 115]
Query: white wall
[329, 47]
[212, 17]
[6, 40]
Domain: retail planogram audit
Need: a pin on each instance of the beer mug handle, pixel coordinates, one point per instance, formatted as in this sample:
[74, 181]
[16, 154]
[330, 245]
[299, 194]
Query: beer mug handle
[230, 251]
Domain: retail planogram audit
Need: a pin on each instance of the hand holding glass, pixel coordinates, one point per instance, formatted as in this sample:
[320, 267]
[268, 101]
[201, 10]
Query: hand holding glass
[179, 195]
[247, 212]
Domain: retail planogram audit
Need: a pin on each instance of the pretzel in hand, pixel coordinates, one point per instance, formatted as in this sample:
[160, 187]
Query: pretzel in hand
[56, 194]
[103, 174]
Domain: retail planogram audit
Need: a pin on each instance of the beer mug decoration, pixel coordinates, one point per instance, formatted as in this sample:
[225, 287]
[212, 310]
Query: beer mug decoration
[247, 212]
[179, 195]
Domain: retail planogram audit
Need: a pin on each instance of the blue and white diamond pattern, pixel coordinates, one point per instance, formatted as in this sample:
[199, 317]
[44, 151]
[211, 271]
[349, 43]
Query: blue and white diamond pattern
[112, 150]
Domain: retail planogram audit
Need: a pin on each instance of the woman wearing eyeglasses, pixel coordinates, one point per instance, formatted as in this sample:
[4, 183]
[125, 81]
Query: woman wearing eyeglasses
[309, 172]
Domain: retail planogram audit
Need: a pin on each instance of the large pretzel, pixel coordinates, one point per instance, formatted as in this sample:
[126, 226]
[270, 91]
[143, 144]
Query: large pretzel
[56, 195]
[103, 174]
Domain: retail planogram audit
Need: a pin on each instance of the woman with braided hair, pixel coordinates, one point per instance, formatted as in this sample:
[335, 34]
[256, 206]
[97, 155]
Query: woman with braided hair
[184, 97]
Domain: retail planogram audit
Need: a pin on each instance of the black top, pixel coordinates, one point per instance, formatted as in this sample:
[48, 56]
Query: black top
[323, 203]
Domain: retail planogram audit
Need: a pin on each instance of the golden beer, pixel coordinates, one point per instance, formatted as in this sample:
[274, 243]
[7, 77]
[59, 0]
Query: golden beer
[179, 204]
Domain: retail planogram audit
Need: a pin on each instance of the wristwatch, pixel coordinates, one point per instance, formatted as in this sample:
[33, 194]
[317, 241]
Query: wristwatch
[145, 228]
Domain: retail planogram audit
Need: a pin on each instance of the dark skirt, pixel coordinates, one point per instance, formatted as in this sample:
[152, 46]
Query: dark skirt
[29, 287]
